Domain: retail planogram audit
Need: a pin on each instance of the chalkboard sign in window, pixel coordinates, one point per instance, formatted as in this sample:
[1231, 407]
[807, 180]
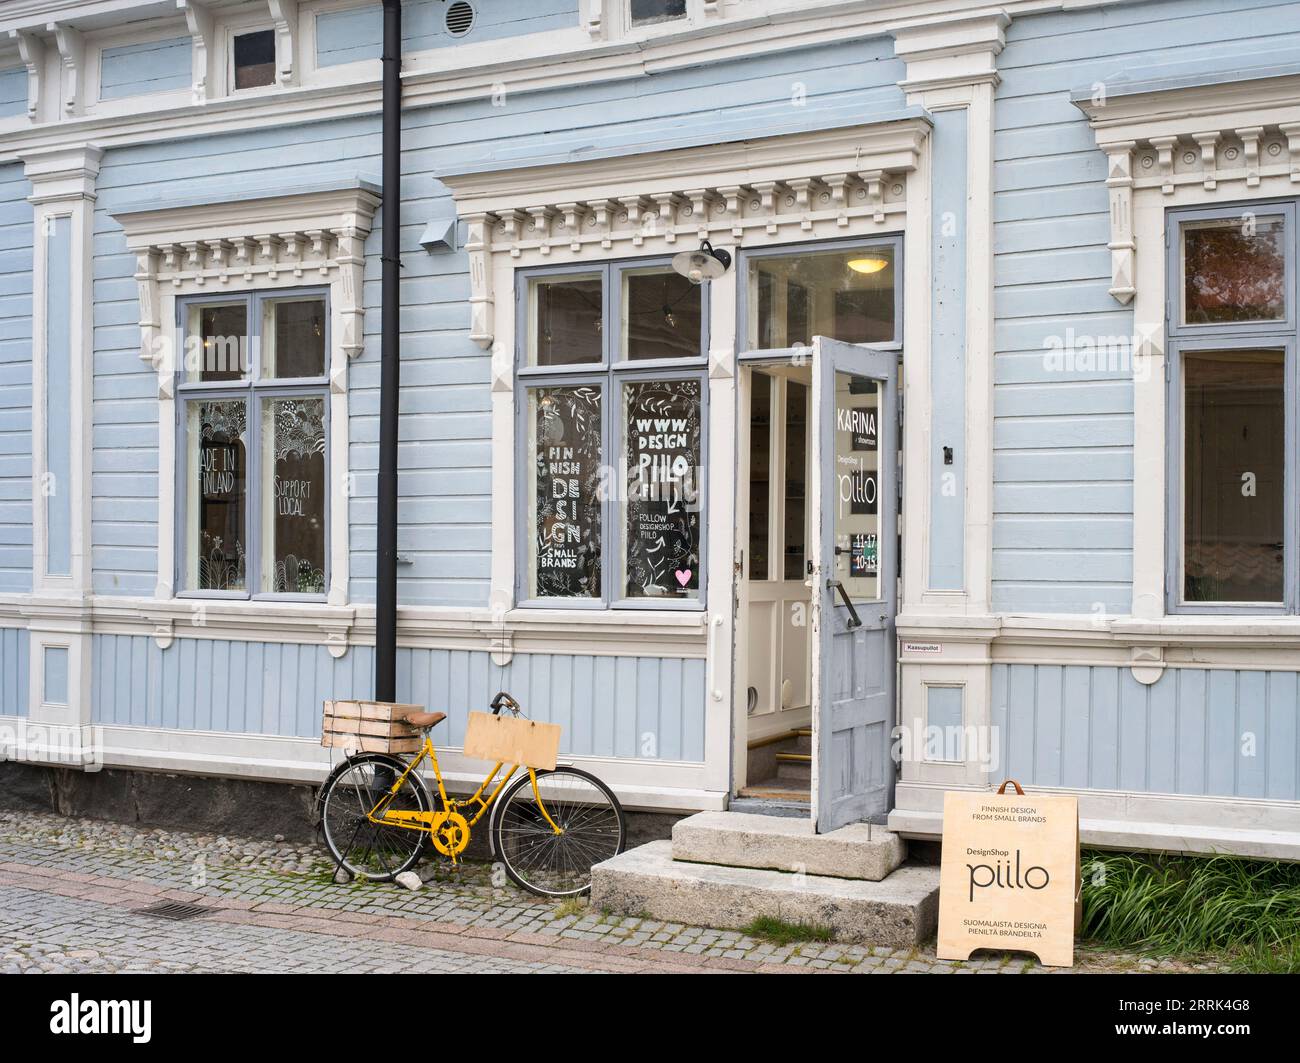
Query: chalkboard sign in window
[661, 449]
[613, 392]
[216, 489]
[564, 431]
[293, 514]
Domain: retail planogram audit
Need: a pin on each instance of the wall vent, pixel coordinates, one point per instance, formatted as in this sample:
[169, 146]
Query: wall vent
[460, 18]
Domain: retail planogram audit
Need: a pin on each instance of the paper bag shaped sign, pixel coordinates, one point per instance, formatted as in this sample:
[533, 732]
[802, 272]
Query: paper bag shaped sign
[1009, 877]
[511, 740]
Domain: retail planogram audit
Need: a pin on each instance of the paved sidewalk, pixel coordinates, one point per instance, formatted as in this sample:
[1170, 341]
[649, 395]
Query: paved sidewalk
[70, 890]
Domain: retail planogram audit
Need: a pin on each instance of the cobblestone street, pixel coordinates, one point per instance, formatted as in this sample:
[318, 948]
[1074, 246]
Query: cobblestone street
[70, 891]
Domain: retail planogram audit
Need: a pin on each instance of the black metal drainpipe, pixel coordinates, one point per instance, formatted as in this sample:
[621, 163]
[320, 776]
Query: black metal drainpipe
[389, 364]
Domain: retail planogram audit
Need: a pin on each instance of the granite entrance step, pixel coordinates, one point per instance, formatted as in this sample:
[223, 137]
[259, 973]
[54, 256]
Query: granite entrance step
[740, 839]
[901, 911]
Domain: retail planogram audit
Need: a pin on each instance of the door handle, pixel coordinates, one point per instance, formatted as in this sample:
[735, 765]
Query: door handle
[854, 619]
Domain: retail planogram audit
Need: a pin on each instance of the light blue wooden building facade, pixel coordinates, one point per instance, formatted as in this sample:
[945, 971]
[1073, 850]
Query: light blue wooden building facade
[1074, 222]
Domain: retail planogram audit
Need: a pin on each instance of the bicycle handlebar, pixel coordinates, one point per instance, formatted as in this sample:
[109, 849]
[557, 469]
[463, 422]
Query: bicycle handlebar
[503, 700]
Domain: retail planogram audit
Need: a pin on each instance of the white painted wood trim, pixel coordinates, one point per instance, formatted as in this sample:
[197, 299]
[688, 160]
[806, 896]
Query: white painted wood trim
[1132, 820]
[580, 55]
[259, 244]
[654, 785]
[952, 65]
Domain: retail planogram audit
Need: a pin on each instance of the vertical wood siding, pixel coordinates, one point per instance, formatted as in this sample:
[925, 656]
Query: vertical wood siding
[645, 707]
[15, 380]
[1195, 731]
[14, 665]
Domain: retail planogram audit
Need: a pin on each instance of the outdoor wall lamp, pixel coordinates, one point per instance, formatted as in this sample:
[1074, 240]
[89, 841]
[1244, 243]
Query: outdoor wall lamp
[707, 263]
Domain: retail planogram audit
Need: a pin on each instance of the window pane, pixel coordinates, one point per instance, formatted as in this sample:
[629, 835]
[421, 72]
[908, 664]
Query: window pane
[1235, 430]
[661, 455]
[564, 496]
[796, 459]
[255, 59]
[566, 320]
[857, 480]
[760, 473]
[216, 342]
[216, 463]
[293, 337]
[1234, 271]
[645, 12]
[846, 295]
[661, 315]
[294, 491]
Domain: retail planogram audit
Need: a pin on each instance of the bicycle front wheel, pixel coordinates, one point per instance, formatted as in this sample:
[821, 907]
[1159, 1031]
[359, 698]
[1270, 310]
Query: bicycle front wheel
[376, 851]
[591, 828]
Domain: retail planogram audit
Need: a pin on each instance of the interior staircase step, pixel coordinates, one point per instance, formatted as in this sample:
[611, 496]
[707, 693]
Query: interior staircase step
[741, 839]
[794, 768]
[901, 911]
[780, 791]
[767, 806]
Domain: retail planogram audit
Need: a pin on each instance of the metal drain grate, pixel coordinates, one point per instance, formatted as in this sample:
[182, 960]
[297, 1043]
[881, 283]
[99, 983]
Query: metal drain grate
[174, 910]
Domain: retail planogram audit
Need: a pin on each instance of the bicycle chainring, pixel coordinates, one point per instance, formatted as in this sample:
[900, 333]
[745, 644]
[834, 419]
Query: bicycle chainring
[451, 835]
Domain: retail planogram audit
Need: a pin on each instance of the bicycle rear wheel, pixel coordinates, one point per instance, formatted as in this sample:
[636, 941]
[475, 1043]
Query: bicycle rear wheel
[592, 828]
[368, 850]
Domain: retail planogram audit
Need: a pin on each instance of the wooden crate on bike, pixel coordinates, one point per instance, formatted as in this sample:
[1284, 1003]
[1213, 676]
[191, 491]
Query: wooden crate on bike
[512, 740]
[370, 727]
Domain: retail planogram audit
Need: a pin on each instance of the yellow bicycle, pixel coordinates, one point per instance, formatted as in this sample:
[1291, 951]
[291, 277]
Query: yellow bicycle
[548, 828]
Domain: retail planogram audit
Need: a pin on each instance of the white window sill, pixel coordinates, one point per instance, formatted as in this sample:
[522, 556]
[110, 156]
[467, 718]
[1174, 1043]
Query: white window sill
[1210, 628]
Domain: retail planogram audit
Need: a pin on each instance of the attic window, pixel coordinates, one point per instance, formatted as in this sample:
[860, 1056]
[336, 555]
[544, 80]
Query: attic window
[648, 12]
[254, 55]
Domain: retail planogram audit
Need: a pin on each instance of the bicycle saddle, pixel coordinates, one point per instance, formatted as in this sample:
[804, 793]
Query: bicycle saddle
[424, 720]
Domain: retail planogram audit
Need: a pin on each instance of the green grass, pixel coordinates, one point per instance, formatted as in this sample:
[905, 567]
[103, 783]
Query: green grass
[1243, 912]
[570, 907]
[779, 932]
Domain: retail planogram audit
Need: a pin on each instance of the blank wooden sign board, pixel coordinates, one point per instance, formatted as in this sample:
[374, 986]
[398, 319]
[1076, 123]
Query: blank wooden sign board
[512, 741]
[1009, 877]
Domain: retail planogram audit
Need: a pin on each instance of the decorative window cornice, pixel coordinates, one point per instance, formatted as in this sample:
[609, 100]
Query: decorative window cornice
[602, 207]
[1227, 138]
[234, 243]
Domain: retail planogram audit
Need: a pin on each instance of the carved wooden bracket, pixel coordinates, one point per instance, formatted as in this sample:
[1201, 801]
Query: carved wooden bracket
[198, 20]
[284, 13]
[1148, 663]
[32, 51]
[72, 53]
[317, 233]
[726, 211]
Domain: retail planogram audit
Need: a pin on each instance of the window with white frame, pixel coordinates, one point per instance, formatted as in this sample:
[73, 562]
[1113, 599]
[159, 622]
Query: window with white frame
[252, 411]
[612, 400]
[652, 12]
[252, 58]
[1233, 410]
[847, 291]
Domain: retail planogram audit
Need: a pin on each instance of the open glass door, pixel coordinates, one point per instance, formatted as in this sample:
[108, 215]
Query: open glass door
[854, 506]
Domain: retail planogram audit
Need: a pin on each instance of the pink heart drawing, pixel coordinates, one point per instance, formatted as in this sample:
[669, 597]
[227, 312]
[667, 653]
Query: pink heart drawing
[683, 576]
